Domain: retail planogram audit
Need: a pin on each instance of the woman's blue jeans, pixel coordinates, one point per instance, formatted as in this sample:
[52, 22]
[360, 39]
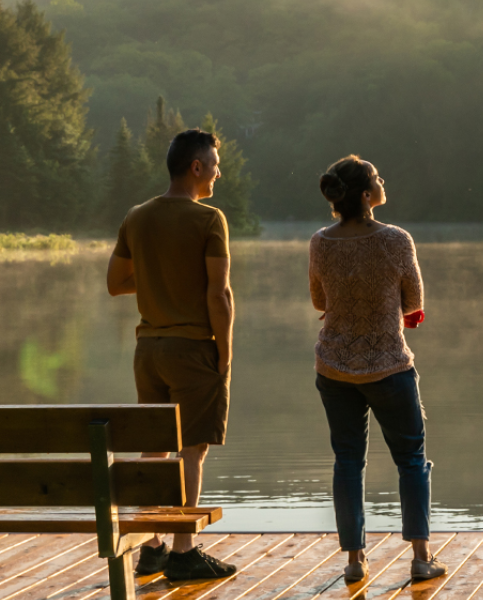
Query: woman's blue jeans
[396, 405]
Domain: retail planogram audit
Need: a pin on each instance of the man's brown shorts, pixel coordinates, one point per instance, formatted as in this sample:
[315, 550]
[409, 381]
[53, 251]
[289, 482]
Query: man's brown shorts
[185, 372]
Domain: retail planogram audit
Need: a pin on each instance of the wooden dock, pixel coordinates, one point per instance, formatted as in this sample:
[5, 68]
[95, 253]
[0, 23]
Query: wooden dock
[292, 566]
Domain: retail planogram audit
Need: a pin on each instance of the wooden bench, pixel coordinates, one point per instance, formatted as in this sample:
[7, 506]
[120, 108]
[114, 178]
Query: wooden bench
[130, 499]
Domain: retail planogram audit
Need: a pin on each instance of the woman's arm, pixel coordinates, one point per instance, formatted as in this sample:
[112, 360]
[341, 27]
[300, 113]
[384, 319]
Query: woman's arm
[412, 292]
[316, 290]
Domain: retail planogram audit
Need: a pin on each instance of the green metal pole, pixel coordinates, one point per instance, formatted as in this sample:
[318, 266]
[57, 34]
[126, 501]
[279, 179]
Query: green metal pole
[107, 518]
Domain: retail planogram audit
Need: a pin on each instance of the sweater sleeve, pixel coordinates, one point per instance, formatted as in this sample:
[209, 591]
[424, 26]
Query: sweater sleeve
[412, 295]
[316, 289]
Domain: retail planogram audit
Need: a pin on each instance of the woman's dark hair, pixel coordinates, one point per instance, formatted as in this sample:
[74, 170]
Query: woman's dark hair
[343, 185]
[187, 147]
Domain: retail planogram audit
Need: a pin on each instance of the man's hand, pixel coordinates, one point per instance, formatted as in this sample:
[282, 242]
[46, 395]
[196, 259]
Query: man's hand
[120, 276]
[220, 308]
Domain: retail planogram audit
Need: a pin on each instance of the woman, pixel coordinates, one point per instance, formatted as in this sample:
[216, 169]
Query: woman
[365, 277]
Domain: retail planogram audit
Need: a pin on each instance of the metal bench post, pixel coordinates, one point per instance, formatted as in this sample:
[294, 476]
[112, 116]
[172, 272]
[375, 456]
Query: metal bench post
[121, 577]
[104, 500]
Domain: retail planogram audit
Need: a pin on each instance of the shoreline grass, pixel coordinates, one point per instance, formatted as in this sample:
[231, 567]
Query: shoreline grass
[21, 241]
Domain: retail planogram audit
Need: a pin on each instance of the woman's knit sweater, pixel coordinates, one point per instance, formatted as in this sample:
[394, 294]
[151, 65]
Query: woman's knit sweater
[365, 285]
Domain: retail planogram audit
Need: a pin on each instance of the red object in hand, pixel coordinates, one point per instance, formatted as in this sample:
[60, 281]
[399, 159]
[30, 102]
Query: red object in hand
[414, 319]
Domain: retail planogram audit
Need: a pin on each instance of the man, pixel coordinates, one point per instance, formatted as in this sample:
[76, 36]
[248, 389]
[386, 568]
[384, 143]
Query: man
[172, 252]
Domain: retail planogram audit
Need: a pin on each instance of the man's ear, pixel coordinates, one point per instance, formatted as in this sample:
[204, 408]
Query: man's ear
[196, 167]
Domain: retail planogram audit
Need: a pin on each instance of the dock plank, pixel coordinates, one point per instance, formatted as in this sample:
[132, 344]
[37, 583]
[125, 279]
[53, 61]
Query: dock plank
[12, 540]
[294, 571]
[455, 554]
[270, 567]
[379, 561]
[466, 581]
[66, 577]
[398, 576]
[477, 594]
[323, 577]
[246, 583]
[245, 558]
[17, 585]
[21, 559]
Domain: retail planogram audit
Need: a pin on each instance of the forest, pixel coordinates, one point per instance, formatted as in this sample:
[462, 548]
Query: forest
[292, 84]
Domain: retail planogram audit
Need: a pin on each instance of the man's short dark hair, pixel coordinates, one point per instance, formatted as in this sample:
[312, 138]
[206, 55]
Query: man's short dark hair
[187, 147]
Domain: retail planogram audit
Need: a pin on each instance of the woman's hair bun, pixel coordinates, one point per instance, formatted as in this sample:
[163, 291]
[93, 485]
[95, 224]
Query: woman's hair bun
[332, 186]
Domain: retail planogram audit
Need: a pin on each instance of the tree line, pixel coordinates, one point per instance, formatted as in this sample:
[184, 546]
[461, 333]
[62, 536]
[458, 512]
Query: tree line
[52, 175]
[298, 84]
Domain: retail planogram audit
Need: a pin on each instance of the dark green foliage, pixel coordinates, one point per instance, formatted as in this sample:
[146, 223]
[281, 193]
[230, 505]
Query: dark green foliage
[232, 190]
[136, 174]
[120, 188]
[160, 131]
[300, 84]
[45, 148]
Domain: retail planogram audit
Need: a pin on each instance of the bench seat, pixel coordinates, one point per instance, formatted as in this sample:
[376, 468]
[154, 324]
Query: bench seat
[142, 520]
[125, 500]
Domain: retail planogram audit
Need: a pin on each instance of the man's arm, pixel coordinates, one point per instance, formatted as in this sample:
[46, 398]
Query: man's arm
[120, 276]
[220, 308]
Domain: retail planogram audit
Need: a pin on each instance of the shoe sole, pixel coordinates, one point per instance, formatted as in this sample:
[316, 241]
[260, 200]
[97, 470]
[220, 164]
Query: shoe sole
[147, 572]
[140, 571]
[424, 577]
[198, 578]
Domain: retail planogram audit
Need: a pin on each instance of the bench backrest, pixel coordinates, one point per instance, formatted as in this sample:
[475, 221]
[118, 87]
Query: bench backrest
[99, 430]
[65, 429]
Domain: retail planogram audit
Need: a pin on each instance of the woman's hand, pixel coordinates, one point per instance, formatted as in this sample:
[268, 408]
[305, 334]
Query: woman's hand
[414, 319]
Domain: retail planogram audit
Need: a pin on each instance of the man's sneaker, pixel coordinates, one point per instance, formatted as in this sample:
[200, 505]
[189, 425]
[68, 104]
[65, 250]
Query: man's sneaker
[152, 560]
[422, 569]
[195, 564]
[356, 571]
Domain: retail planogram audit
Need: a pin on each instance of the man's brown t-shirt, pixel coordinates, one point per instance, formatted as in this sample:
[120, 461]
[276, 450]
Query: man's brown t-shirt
[168, 240]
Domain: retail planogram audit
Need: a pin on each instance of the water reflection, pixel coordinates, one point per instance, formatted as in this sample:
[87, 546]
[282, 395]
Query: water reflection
[65, 340]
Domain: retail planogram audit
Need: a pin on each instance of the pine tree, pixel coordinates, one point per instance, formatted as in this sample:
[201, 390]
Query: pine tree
[232, 190]
[142, 175]
[42, 124]
[120, 192]
[159, 133]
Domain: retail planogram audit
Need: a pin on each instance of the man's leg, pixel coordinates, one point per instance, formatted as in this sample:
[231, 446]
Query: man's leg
[193, 458]
[186, 561]
[189, 370]
[157, 539]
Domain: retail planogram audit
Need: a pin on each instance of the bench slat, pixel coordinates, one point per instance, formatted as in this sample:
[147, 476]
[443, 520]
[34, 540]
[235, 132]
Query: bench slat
[75, 522]
[215, 513]
[68, 482]
[64, 429]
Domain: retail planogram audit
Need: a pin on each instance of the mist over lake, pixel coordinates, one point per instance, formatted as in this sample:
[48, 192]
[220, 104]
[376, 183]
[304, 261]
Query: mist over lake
[65, 340]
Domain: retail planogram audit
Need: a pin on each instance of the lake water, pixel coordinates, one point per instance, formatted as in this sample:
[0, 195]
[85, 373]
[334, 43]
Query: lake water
[65, 340]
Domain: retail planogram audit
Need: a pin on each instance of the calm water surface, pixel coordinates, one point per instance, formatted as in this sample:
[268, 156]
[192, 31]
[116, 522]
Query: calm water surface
[64, 340]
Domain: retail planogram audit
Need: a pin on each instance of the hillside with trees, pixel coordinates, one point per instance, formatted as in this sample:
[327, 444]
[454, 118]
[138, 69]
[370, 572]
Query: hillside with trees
[297, 84]
[45, 146]
[52, 176]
